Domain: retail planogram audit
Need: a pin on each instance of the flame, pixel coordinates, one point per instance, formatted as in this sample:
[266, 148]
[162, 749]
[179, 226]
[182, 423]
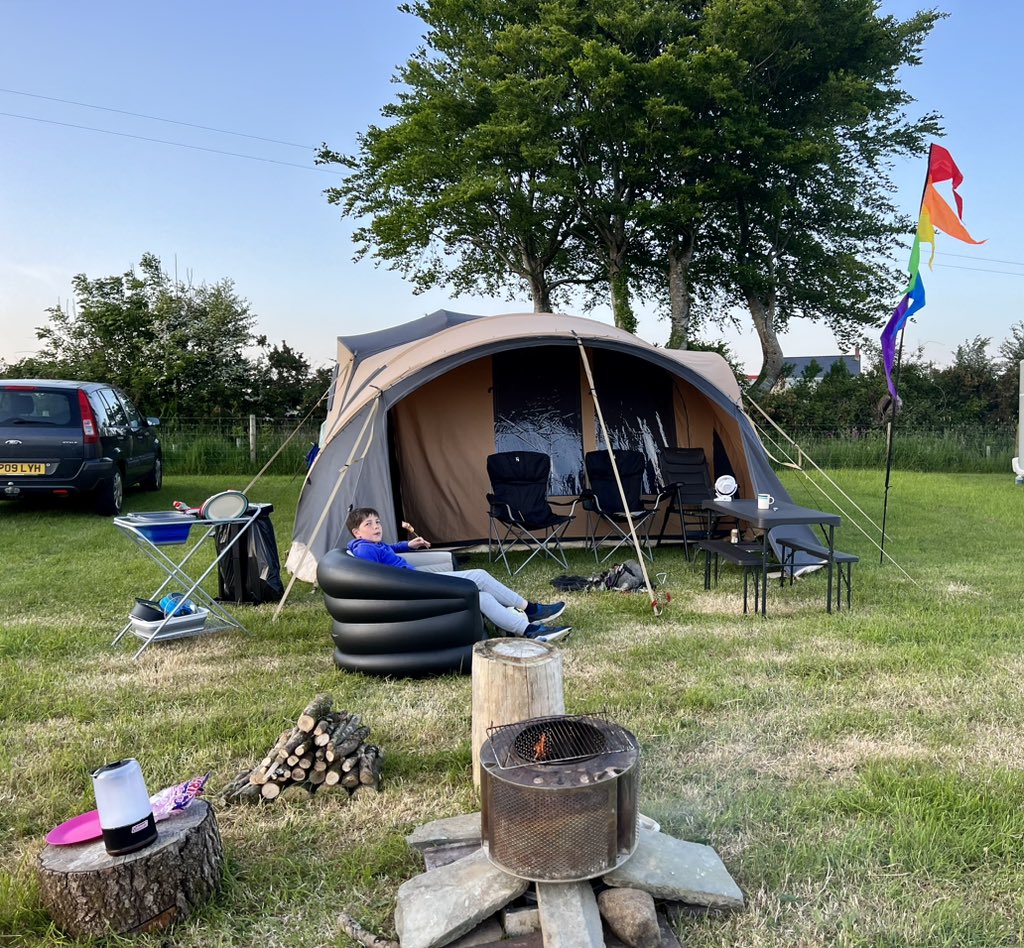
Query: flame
[540, 749]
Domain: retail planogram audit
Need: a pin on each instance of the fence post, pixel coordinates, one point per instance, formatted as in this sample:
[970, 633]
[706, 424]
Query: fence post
[252, 439]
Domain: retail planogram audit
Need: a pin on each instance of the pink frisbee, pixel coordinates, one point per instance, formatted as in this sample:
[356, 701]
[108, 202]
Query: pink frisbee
[80, 829]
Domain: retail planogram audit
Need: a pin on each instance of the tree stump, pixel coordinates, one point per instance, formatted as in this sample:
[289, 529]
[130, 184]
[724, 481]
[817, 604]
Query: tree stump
[89, 893]
[513, 679]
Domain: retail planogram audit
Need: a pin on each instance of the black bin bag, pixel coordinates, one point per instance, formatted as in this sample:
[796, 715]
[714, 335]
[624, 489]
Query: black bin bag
[251, 570]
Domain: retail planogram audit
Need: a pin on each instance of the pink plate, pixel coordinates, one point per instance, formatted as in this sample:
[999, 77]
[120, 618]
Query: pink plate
[81, 829]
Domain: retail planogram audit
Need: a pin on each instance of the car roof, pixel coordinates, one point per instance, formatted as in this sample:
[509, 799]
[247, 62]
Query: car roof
[54, 383]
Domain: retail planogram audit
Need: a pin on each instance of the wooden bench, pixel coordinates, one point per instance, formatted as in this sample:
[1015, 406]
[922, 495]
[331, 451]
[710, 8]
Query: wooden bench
[788, 547]
[748, 556]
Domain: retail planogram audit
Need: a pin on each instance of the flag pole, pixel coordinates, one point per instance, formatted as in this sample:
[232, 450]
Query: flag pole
[890, 430]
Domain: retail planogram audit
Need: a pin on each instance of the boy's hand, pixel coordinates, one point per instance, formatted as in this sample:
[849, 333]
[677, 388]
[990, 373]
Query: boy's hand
[418, 543]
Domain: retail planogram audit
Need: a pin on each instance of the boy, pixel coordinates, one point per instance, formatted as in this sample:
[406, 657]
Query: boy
[509, 611]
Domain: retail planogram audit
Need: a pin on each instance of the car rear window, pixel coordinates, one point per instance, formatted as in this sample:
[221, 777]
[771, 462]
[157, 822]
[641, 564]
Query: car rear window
[56, 408]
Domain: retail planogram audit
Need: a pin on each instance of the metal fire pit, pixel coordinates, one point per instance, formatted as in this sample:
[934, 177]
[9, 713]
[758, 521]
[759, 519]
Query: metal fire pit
[559, 797]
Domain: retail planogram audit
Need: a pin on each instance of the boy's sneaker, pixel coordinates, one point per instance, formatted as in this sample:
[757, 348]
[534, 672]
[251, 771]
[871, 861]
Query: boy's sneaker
[539, 612]
[546, 633]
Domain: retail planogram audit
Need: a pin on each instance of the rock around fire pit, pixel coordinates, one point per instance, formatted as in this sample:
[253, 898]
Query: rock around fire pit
[457, 897]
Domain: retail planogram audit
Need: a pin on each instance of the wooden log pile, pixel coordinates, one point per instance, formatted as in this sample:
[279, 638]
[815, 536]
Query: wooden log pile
[325, 748]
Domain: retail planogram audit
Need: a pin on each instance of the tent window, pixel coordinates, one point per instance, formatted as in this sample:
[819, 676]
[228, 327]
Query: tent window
[636, 401]
[537, 408]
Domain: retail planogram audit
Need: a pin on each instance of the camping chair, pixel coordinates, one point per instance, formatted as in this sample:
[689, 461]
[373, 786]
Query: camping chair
[603, 502]
[687, 482]
[520, 511]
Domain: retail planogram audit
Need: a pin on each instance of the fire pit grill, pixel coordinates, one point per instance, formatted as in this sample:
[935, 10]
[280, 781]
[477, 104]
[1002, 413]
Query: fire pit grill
[559, 739]
[559, 797]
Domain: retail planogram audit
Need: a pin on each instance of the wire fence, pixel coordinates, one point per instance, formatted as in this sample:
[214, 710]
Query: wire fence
[239, 445]
[244, 444]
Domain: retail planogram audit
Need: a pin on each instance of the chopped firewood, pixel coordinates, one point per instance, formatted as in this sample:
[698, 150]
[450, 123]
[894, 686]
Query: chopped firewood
[357, 933]
[350, 744]
[315, 710]
[369, 765]
[325, 748]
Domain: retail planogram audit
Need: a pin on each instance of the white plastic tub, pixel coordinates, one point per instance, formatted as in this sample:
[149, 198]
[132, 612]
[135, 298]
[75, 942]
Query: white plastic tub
[176, 627]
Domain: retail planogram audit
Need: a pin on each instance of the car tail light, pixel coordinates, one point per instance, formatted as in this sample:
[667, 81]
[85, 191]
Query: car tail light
[19, 388]
[89, 433]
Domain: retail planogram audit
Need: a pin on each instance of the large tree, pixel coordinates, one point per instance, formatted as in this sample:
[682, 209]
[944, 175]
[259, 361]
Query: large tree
[807, 227]
[731, 153]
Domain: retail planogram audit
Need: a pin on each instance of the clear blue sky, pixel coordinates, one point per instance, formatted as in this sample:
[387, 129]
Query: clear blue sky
[74, 200]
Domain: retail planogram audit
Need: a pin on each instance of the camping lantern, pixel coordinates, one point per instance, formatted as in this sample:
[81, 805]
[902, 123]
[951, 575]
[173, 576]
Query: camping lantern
[122, 801]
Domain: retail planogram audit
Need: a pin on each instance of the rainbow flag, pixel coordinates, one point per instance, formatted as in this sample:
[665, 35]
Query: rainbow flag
[935, 214]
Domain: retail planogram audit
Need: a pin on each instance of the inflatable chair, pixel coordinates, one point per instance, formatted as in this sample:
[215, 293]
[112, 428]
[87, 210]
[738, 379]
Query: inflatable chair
[399, 622]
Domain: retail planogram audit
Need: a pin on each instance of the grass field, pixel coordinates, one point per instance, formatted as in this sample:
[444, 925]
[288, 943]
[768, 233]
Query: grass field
[861, 774]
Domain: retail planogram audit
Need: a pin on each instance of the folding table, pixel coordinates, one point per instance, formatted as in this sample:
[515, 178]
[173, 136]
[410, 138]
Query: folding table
[155, 533]
[780, 514]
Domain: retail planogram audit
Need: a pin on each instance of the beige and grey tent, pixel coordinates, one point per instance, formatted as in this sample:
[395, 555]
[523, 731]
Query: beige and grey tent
[416, 409]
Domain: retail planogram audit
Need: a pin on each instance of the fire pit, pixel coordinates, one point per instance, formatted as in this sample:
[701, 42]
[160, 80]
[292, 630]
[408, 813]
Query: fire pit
[559, 797]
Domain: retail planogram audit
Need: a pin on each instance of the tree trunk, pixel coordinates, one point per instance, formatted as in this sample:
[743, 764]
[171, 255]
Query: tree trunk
[618, 285]
[513, 679]
[763, 315]
[89, 893]
[679, 257]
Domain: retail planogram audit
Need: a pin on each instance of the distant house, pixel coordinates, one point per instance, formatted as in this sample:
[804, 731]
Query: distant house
[795, 366]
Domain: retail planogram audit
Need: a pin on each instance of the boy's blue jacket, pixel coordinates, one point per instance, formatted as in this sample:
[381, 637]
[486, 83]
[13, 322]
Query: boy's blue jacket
[386, 553]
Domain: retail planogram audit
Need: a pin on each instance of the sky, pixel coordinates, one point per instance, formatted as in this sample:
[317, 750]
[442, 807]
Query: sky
[88, 188]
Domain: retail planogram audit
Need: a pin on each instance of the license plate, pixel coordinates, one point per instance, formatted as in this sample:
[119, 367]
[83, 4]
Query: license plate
[22, 467]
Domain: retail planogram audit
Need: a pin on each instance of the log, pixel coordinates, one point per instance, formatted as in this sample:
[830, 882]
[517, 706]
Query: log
[91, 894]
[270, 791]
[513, 679]
[357, 933]
[332, 775]
[369, 766]
[315, 710]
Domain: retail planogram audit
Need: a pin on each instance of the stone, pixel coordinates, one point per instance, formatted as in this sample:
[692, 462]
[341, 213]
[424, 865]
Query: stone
[437, 856]
[569, 917]
[669, 939]
[453, 831]
[670, 868]
[631, 914]
[438, 906]
[521, 921]
[485, 934]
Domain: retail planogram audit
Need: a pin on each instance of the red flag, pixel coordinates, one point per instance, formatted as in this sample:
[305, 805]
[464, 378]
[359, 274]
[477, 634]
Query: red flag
[942, 167]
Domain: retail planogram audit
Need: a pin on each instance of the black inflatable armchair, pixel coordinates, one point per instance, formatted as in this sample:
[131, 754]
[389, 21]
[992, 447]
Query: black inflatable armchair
[400, 622]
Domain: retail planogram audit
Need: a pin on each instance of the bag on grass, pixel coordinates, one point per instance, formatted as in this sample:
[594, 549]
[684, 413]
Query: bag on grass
[622, 577]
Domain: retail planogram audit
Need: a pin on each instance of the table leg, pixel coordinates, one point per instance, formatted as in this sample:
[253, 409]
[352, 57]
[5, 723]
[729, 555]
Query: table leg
[831, 561]
[764, 574]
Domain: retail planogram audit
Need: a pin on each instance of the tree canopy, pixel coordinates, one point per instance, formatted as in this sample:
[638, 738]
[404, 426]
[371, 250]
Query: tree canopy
[176, 349]
[699, 154]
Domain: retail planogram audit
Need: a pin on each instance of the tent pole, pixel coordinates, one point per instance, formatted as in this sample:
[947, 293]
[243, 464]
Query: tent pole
[334, 492]
[890, 434]
[618, 480]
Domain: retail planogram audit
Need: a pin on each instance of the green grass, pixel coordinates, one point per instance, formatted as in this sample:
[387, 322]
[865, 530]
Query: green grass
[859, 773]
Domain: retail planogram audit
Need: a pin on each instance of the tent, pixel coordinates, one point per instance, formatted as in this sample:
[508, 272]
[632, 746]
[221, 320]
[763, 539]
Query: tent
[416, 409]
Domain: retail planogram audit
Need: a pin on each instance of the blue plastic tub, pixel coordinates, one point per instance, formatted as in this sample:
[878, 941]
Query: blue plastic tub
[165, 534]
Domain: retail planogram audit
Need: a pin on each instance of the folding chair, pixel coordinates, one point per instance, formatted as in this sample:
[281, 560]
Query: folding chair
[687, 482]
[603, 502]
[520, 511]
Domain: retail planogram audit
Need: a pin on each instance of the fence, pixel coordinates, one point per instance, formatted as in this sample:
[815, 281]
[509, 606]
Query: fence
[243, 445]
[960, 449]
[239, 445]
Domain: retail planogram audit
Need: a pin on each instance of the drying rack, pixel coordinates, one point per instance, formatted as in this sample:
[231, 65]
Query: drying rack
[153, 533]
